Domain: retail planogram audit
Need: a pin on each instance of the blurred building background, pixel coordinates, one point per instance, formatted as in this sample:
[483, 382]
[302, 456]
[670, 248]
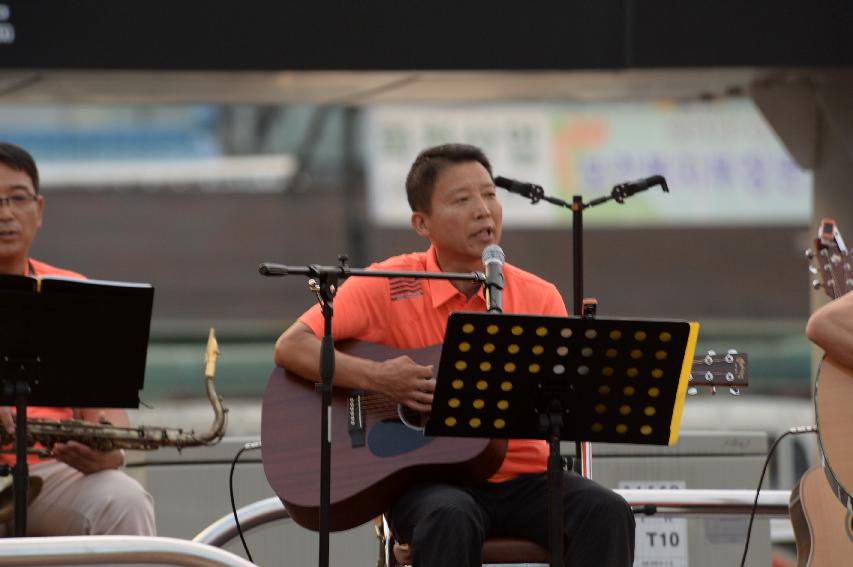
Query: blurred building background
[192, 198]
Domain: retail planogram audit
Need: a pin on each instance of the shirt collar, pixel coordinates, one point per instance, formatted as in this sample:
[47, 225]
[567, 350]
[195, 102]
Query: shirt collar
[442, 291]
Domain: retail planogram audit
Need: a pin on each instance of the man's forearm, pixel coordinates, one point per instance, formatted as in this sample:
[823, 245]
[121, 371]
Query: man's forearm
[831, 328]
[298, 350]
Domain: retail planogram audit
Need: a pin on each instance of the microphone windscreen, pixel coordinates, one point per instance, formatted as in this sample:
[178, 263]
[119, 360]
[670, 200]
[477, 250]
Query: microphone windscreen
[493, 253]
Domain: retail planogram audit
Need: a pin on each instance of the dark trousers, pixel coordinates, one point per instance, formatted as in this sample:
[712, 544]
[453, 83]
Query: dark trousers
[446, 525]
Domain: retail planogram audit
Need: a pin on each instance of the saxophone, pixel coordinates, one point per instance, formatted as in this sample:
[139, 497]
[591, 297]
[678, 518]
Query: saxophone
[106, 437]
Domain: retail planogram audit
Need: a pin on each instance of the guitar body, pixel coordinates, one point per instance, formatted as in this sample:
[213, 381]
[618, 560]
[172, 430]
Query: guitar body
[833, 392]
[365, 479]
[823, 528]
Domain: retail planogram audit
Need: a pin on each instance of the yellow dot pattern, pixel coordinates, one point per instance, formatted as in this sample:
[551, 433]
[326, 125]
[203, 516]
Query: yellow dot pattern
[626, 370]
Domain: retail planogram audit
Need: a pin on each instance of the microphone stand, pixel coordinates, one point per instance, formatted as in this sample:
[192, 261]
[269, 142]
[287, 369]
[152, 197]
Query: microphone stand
[326, 283]
[582, 448]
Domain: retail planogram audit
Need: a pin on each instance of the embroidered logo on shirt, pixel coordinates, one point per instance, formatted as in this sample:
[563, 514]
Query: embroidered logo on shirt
[405, 288]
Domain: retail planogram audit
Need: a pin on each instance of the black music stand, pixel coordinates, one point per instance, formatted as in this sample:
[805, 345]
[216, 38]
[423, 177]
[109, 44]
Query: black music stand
[66, 342]
[562, 378]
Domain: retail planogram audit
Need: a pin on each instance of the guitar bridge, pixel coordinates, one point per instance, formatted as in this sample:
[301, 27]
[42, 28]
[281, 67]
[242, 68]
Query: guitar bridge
[355, 418]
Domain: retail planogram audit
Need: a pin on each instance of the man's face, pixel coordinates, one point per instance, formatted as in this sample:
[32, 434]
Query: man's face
[19, 222]
[466, 216]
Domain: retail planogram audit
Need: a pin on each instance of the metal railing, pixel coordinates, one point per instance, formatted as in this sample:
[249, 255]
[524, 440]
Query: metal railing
[114, 550]
[687, 502]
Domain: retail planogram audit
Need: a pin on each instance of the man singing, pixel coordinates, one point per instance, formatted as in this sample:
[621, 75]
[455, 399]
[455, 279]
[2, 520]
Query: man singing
[455, 206]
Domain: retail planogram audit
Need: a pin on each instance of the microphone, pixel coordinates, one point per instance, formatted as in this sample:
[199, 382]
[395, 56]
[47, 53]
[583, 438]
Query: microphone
[623, 190]
[531, 191]
[493, 261]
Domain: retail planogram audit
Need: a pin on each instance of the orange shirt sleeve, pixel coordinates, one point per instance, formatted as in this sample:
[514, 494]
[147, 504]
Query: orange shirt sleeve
[361, 311]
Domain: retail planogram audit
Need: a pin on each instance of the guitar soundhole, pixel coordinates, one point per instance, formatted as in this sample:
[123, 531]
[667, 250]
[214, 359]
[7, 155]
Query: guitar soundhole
[411, 418]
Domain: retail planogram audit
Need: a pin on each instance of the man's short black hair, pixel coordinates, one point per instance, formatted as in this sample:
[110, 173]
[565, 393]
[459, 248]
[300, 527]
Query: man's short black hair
[420, 183]
[20, 159]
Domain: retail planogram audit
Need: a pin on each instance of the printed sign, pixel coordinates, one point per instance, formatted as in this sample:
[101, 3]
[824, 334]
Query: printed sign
[722, 162]
[660, 542]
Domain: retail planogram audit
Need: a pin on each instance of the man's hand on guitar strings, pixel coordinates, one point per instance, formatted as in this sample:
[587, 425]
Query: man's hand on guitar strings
[405, 381]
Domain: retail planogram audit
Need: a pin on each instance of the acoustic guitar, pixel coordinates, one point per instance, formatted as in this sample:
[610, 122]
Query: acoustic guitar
[378, 448]
[821, 503]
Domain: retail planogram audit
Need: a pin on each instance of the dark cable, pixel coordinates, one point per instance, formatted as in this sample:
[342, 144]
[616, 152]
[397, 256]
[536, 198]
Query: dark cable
[792, 431]
[231, 493]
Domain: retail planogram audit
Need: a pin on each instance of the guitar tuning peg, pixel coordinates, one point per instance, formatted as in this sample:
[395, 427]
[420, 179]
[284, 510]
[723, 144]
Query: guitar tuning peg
[734, 391]
[692, 391]
[712, 353]
[812, 269]
[816, 284]
[809, 253]
[732, 351]
[824, 252]
[729, 358]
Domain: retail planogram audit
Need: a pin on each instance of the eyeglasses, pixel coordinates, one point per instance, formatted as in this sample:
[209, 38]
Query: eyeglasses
[18, 202]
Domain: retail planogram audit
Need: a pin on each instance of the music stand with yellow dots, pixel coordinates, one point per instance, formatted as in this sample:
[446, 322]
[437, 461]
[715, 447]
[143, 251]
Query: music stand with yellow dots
[562, 378]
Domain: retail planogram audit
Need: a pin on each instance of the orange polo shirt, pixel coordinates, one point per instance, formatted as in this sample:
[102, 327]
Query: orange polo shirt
[406, 313]
[41, 269]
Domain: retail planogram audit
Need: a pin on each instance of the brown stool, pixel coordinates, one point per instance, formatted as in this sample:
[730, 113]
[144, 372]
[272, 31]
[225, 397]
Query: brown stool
[495, 550]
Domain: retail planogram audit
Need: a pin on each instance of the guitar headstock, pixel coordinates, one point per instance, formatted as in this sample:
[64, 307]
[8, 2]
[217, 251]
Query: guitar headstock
[712, 370]
[831, 261]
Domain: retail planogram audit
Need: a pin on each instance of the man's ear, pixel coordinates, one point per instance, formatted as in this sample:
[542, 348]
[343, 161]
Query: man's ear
[420, 222]
[40, 212]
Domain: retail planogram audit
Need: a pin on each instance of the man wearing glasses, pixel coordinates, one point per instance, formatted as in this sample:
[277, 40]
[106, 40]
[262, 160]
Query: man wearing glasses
[83, 492]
